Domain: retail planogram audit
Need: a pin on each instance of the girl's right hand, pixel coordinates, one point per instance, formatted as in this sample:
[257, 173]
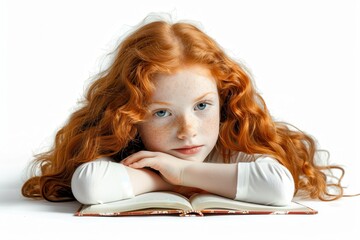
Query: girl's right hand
[170, 168]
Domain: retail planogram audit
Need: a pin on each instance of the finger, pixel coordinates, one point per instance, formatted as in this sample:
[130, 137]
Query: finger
[136, 157]
[145, 162]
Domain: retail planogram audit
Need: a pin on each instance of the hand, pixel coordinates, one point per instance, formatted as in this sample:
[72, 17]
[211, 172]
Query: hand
[171, 168]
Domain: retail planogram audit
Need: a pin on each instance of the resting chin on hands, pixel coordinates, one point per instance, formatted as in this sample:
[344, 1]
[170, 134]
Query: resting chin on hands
[171, 168]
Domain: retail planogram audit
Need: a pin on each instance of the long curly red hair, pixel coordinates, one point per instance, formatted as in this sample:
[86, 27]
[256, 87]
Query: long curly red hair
[105, 123]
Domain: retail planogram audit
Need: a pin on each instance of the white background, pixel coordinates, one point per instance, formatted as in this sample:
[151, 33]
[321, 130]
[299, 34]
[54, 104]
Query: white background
[304, 57]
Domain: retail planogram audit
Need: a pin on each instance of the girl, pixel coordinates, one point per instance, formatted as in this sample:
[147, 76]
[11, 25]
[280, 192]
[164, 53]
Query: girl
[174, 112]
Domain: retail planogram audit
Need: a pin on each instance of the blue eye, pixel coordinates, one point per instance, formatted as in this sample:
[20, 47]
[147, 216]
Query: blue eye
[162, 113]
[201, 106]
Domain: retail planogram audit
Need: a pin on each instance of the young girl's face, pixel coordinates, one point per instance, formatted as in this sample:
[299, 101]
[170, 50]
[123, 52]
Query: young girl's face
[184, 114]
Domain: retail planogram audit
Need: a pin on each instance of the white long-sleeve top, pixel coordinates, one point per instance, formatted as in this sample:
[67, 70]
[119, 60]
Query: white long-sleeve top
[260, 179]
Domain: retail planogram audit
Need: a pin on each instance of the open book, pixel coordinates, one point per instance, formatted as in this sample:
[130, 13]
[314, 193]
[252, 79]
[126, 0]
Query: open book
[166, 203]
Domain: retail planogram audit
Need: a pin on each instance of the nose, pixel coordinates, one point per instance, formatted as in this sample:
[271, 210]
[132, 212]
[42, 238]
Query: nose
[187, 127]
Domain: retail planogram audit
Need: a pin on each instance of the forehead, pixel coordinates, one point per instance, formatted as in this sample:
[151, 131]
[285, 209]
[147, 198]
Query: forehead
[187, 81]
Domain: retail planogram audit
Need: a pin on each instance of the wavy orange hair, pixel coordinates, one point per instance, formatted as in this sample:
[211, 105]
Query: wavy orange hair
[105, 125]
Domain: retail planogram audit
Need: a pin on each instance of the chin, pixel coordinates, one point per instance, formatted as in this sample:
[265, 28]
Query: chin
[193, 158]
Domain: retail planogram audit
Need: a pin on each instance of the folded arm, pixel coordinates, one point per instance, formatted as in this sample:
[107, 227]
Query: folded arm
[264, 181]
[103, 180]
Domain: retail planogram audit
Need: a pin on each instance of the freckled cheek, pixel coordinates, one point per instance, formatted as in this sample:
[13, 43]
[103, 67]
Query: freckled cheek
[154, 138]
[210, 125]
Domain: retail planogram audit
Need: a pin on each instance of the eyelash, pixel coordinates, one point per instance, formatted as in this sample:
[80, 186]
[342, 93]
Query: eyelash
[167, 113]
[204, 103]
[156, 113]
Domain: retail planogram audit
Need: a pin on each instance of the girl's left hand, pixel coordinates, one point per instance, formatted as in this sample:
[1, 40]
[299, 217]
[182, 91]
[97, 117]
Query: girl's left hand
[170, 167]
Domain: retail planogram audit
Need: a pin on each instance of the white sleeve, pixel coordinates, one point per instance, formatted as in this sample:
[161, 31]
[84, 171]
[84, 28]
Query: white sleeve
[101, 181]
[264, 181]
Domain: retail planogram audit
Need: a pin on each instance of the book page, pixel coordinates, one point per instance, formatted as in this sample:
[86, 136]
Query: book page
[166, 200]
[211, 201]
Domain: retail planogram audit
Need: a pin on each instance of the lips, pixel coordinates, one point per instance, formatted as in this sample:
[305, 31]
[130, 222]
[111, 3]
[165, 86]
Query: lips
[189, 150]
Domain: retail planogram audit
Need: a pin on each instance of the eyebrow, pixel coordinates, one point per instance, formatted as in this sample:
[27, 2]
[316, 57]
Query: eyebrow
[203, 96]
[195, 100]
[161, 103]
